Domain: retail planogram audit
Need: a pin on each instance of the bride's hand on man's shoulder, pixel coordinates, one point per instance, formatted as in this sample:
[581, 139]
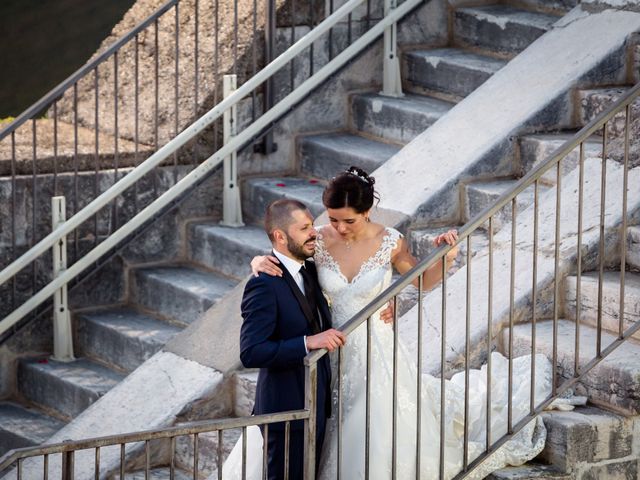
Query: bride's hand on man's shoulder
[266, 264]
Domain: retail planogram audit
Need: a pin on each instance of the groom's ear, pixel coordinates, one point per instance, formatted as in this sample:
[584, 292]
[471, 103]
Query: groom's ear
[279, 237]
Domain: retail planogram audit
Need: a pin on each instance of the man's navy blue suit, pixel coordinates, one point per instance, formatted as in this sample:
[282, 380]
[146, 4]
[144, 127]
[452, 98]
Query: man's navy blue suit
[276, 317]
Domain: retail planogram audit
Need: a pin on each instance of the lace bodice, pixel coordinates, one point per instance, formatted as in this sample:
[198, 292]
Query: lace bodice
[349, 297]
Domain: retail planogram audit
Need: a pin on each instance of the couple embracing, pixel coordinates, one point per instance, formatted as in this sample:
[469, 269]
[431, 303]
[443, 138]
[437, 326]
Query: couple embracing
[286, 315]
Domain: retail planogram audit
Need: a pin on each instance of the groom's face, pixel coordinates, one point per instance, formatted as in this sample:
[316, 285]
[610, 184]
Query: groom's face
[301, 236]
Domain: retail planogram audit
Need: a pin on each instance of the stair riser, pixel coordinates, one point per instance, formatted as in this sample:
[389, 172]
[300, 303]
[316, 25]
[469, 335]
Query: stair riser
[9, 441]
[223, 254]
[125, 352]
[633, 248]
[207, 451]
[245, 393]
[477, 200]
[610, 304]
[442, 77]
[321, 161]
[168, 300]
[591, 103]
[574, 438]
[256, 196]
[388, 123]
[52, 392]
[549, 5]
[477, 31]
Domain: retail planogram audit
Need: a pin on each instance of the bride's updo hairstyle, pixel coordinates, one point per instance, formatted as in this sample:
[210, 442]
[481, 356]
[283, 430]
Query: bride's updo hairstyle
[352, 188]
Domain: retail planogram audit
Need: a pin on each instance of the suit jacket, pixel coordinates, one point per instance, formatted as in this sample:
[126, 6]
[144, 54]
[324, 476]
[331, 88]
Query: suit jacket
[276, 317]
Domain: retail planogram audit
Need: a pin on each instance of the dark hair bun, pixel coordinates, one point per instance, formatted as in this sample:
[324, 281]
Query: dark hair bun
[352, 188]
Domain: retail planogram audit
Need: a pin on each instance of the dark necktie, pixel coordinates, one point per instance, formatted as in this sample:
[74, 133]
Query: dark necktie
[310, 291]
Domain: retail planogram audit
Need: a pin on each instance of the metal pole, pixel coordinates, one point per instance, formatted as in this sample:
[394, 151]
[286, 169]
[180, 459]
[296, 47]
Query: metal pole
[391, 80]
[268, 146]
[62, 334]
[311, 387]
[231, 207]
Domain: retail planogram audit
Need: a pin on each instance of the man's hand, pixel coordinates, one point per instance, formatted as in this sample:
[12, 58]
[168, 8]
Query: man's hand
[329, 339]
[386, 315]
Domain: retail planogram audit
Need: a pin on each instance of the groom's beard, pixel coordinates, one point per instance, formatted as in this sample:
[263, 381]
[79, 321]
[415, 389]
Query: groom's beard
[297, 249]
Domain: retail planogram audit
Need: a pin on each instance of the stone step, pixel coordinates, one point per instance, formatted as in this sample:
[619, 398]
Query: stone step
[610, 300]
[421, 244]
[245, 382]
[550, 6]
[396, 119]
[633, 247]
[480, 195]
[67, 388]
[259, 192]
[177, 292]
[499, 28]
[227, 249]
[24, 427]
[529, 471]
[121, 336]
[614, 383]
[535, 149]
[323, 156]
[591, 102]
[448, 70]
[585, 435]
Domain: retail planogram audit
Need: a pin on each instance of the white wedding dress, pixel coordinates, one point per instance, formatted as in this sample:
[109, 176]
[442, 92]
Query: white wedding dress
[346, 299]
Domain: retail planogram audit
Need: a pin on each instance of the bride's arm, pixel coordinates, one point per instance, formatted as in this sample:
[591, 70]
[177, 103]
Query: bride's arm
[403, 261]
[266, 264]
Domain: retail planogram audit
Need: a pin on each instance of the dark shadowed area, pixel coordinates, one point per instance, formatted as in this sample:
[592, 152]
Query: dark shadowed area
[44, 41]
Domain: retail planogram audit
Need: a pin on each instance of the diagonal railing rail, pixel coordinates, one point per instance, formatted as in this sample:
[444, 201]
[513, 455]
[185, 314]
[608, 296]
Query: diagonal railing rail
[611, 217]
[105, 201]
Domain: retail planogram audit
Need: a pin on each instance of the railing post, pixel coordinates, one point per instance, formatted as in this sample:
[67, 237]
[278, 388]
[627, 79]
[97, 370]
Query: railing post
[391, 80]
[231, 207]
[62, 335]
[310, 402]
[267, 145]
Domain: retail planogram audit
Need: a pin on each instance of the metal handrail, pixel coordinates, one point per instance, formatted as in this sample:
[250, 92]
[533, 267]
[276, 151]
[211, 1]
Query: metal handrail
[59, 90]
[185, 136]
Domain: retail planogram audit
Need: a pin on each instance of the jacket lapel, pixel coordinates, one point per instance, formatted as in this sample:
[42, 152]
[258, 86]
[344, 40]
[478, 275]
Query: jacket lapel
[323, 307]
[304, 305]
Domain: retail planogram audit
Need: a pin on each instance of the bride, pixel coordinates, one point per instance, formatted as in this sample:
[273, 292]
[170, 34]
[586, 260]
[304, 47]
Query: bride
[355, 259]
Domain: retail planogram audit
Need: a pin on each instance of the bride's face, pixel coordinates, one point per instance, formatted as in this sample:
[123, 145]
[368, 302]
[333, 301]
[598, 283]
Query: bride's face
[347, 222]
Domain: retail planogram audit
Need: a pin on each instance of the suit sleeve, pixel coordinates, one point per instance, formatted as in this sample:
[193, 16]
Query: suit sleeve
[258, 348]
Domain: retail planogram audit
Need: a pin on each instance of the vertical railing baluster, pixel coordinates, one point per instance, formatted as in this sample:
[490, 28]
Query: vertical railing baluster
[45, 473]
[156, 118]
[136, 119]
[292, 63]
[176, 76]
[235, 37]
[512, 290]
[265, 451]
[419, 379]
[603, 183]
[14, 187]
[216, 69]
[75, 167]
[244, 453]
[394, 401]
[172, 458]
[19, 473]
[196, 80]
[467, 347]
[576, 363]
[556, 282]
[367, 427]
[55, 148]
[287, 441]
[349, 32]
[339, 419]
[34, 200]
[96, 119]
[219, 452]
[623, 232]
[443, 360]
[534, 296]
[147, 460]
[196, 456]
[115, 135]
[489, 332]
[311, 25]
[330, 35]
[254, 57]
[122, 459]
[96, 471]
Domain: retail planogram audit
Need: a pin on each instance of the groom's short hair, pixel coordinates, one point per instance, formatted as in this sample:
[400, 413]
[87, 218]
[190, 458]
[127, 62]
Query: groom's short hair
[278, 215]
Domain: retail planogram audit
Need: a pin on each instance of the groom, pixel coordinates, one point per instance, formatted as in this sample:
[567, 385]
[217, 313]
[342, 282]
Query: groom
[283, 319]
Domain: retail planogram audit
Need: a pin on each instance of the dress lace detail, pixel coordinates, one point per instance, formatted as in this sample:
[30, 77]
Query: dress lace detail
[349, 297]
